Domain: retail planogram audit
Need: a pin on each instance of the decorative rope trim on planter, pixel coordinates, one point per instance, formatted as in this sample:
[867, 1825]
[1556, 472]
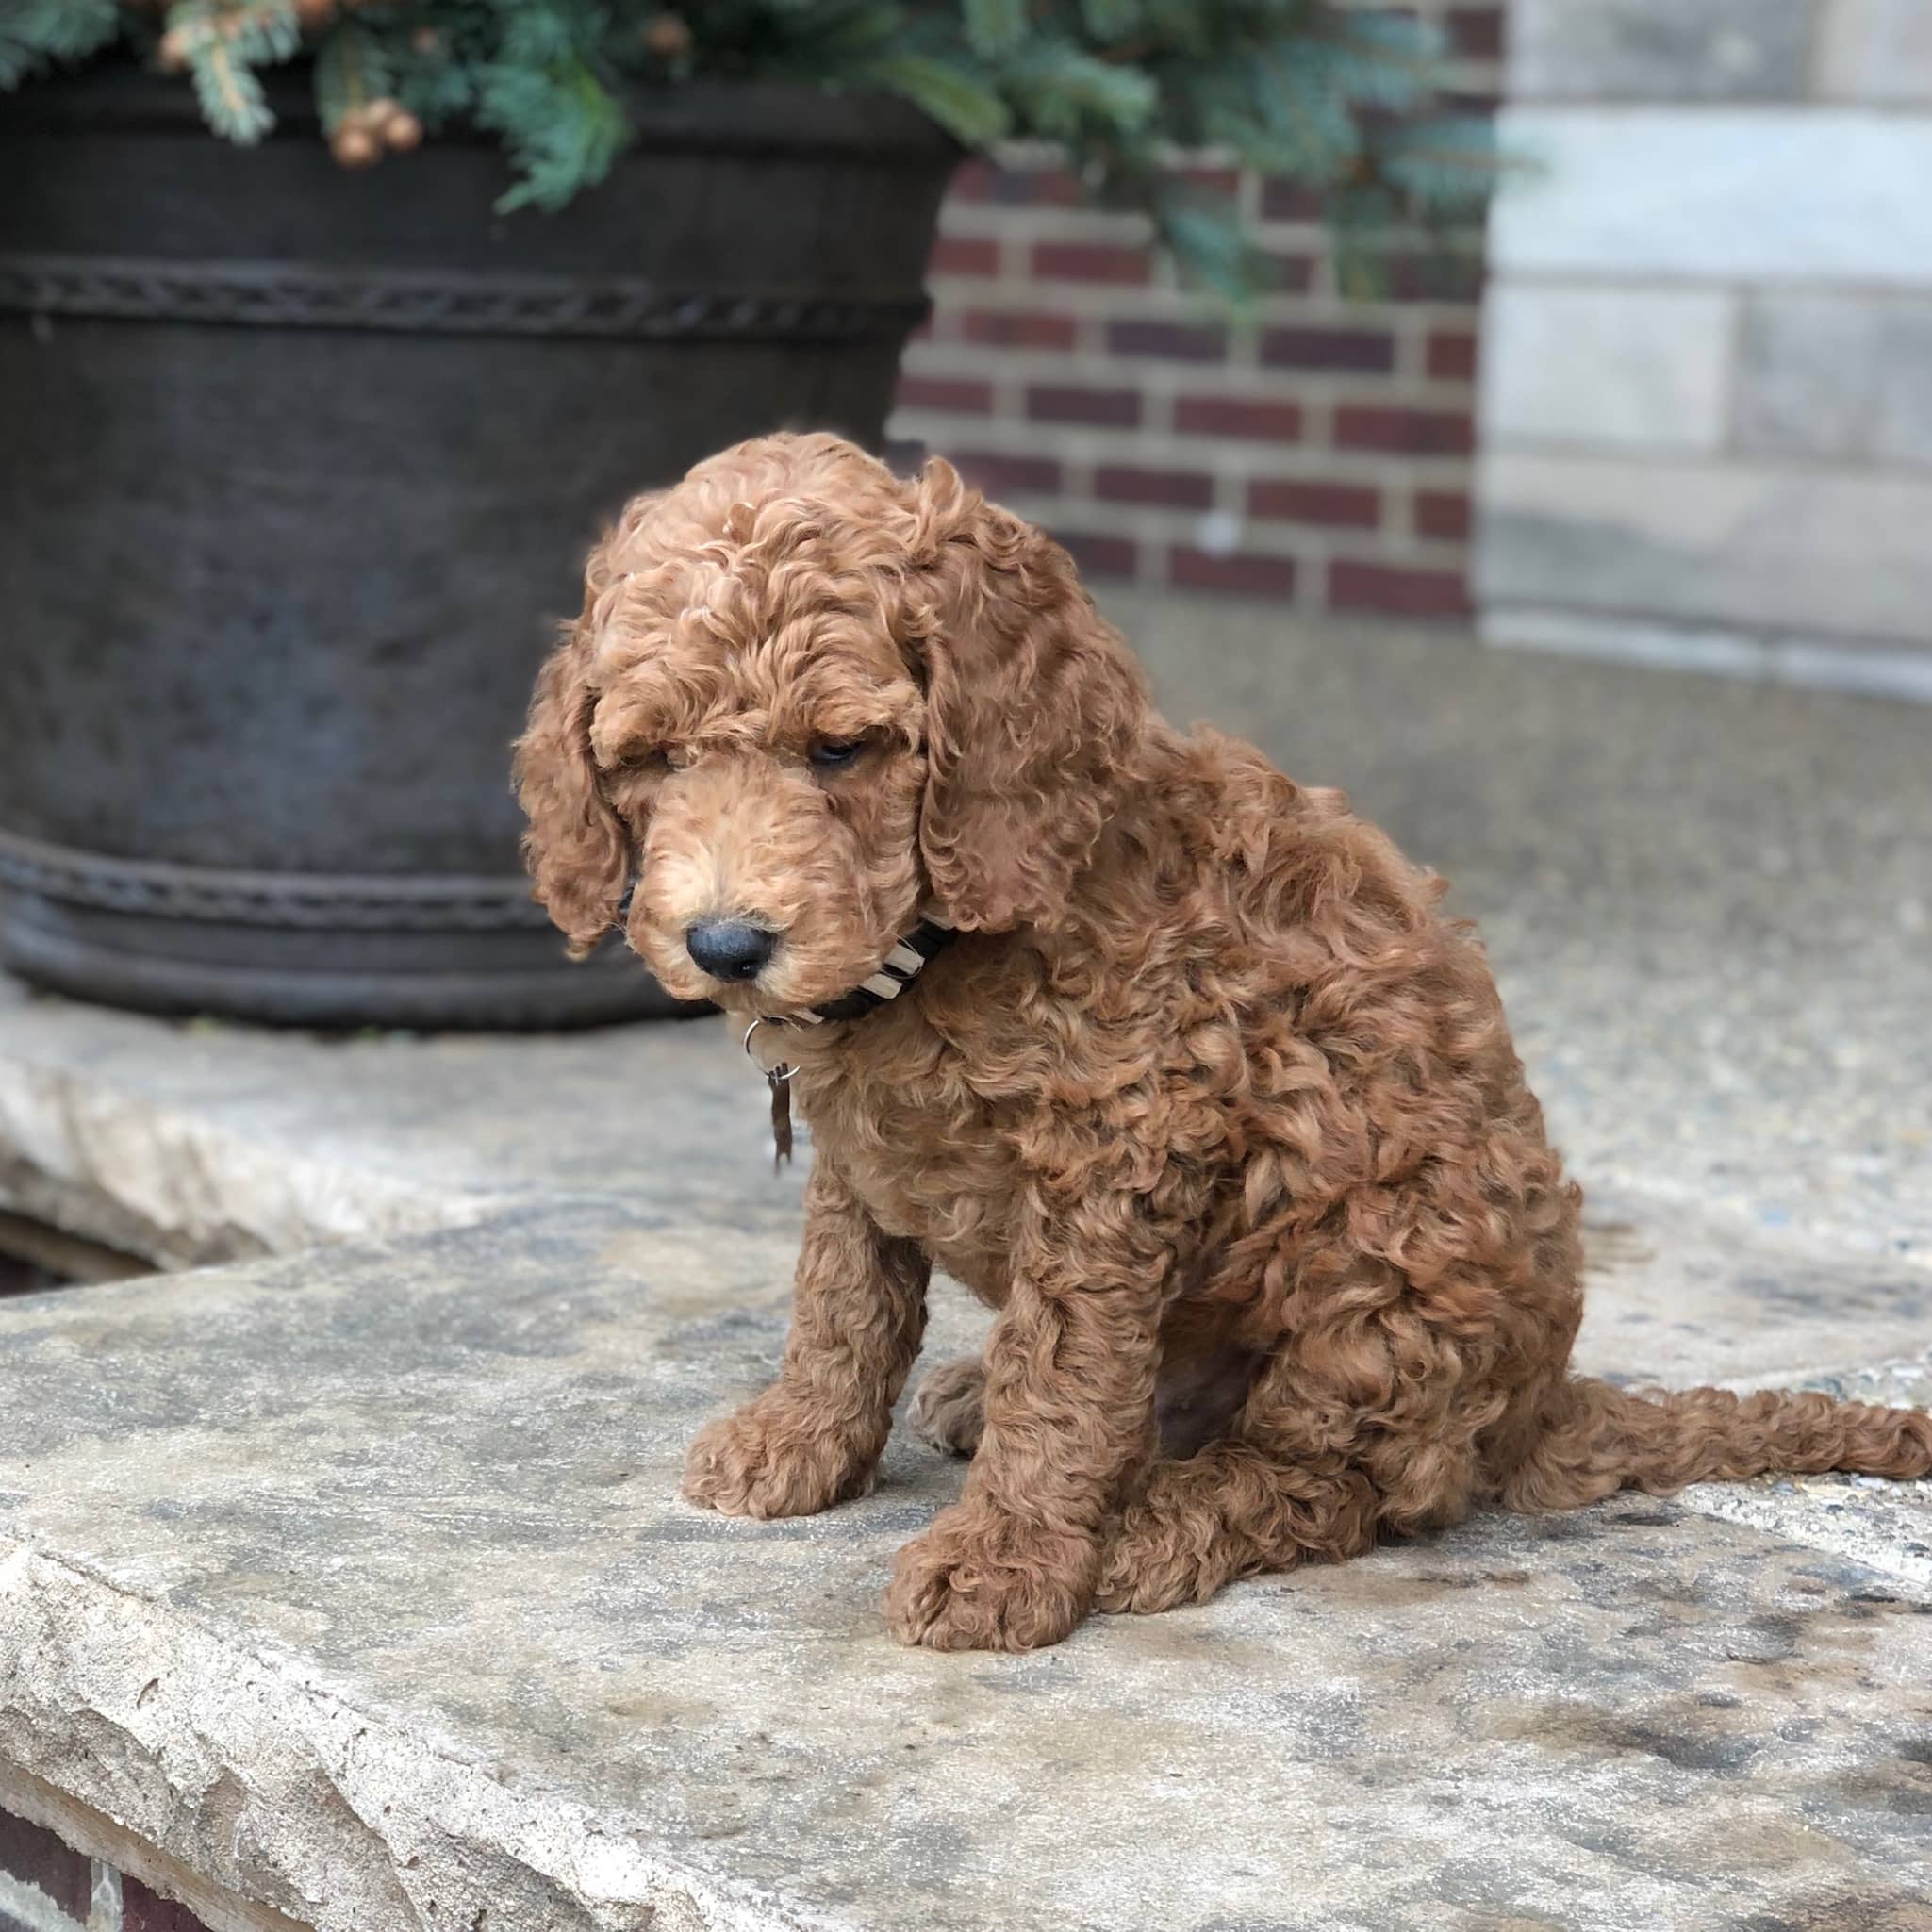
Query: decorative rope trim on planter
[365, 902]
[274, 296]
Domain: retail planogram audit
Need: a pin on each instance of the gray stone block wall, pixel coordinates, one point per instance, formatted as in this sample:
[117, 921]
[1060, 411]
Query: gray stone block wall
[1839, 376]
[1707, 390]
[1662, 49]
[1722, 50]
[1877, 50]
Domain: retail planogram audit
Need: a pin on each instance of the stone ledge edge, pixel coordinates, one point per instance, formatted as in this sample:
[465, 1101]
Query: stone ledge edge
[196, 1749]
[185, 1193]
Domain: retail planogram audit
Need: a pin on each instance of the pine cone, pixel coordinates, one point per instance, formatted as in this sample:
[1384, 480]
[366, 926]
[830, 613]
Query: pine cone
[355, 145]
[403, 131]
[667, 37]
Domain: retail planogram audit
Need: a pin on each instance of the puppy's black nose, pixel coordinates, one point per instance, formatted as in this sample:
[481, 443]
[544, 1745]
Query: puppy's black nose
[730, 948]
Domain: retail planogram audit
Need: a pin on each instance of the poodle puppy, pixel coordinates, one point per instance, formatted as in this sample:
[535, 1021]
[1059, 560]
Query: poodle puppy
[1205, 1097]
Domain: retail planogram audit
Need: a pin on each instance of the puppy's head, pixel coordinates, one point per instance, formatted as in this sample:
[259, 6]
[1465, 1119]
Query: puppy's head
[806, 702]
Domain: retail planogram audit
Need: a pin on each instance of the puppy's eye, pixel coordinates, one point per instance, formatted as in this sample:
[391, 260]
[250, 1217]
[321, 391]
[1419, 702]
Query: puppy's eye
[834, 754]
[645, 759]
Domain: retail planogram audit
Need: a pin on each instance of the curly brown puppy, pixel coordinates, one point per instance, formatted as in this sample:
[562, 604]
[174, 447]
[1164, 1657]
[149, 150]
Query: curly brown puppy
[1208, 1100]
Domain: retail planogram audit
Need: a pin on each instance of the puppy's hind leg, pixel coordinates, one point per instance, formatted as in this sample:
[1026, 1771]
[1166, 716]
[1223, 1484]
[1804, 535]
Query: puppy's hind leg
[1231, 1511]
[1257, 1496]
[946, 1408]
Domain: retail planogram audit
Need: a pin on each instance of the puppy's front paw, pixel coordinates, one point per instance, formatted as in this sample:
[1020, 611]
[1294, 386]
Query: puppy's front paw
[978, 1580]
[769, 1460]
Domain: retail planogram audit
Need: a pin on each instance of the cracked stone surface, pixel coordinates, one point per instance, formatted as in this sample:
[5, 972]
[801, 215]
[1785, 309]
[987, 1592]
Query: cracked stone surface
[359, 1583]
[351, 1574]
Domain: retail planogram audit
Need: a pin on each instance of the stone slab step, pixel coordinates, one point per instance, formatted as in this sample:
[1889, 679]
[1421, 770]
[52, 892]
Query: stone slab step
[356, 1582]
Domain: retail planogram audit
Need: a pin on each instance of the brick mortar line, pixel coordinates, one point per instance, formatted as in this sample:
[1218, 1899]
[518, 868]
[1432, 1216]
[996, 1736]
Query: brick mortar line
[109, 1901]
[1030, 153]
[1125, 302]
[1224, 380]
[1008, 395]
[1309, 460]
[1412, 342]
[1412, 484]
[1321, 314]
[972, 218]
[1152, 448]
[1424, 395]
[33, 1907]
[1022, 221]
[1260, 536]
[1076, 225]
[1090, 357]
[1168, 376]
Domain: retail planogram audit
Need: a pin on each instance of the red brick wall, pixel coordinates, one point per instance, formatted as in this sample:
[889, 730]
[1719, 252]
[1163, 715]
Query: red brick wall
[47, 1886]
[1316, 452]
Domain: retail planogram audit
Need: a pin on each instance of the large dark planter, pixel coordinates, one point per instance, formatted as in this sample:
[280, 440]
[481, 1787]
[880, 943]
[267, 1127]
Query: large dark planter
[297, 470]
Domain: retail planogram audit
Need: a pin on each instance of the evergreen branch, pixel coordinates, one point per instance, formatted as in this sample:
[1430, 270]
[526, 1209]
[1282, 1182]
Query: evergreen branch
[231, 97]
[961, 101]
[351, 71]
[562, 126]
[994, 28]
[1110, 20]
[36, 35]
[221, 42]
[1342, 95]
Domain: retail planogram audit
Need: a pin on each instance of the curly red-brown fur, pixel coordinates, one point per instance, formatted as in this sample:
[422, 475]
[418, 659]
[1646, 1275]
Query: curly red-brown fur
[1208, 1100]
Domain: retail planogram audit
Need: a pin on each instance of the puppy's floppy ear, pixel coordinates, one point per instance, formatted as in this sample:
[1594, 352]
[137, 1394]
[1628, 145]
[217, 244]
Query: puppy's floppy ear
[577, 851]
[1033, 708]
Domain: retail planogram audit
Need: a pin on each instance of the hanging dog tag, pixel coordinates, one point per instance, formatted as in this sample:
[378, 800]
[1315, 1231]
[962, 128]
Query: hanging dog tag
[779, 1080]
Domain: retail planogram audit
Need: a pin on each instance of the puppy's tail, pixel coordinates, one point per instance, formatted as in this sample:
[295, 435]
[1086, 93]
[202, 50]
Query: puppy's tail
[1596, 1438]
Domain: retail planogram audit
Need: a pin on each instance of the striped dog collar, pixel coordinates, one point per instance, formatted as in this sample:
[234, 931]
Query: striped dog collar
[899, 969]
